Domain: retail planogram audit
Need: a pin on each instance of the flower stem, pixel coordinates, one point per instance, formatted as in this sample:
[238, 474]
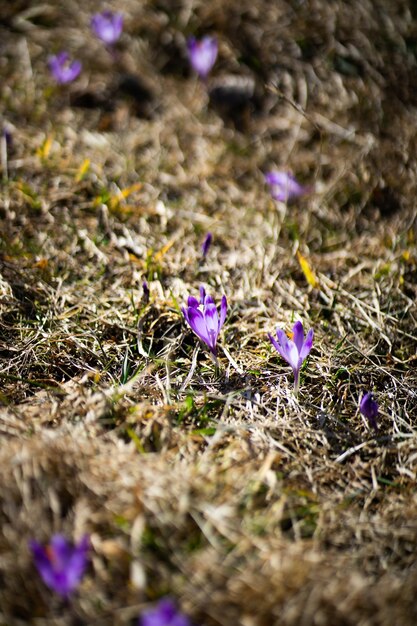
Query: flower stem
[296, 383]
[216, 363]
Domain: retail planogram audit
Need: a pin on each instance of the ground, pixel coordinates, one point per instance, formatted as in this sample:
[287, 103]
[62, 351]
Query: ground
[217, 487]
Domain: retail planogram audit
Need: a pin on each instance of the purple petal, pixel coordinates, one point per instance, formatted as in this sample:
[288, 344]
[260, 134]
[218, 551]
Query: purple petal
[289, 349]
[78, 563]
[164, 614]
[212, 316]
[61, 550]
[308, 344]
[146, 292]
[206, 244]
[202, 294]
[167, 607]
[212, 323]
[276, 345]
[277, 178]
[54, 64]
[184, 311]
[62, 58]
[198, 325]
[43, 563]
[223, 311]
[193, 302]
[74, 70]
[298, 335]
[283, 343]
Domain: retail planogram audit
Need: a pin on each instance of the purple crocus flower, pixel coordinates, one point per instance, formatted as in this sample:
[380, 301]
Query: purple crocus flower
[284, 186]
[369, 408]
[204, 318]
[107, 26]
[202, 54]
[206, 244]
[61, 564]
[62, 70]
[294, 350]
[164, 614]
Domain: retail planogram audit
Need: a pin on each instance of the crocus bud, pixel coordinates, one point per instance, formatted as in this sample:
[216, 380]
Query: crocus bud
[369, 409]
[206, 244]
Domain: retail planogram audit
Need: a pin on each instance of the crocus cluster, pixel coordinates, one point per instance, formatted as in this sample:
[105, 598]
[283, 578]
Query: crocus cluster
[61, 564]
[294, 350]
[284, 186]
[204, 319]
[164, 614]
[206, 322]
[202, 55]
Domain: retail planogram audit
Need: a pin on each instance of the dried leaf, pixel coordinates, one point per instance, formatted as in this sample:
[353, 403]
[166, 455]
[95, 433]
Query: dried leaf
[82, 170]
[45, 148]
[307, 271]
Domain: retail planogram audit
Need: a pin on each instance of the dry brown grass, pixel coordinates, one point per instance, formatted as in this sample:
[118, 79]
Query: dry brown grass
[249, 507]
